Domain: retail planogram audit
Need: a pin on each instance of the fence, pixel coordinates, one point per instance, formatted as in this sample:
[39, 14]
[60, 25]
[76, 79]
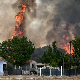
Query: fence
[72, 72]
[49, 72]
[46, 72]
[14, 71]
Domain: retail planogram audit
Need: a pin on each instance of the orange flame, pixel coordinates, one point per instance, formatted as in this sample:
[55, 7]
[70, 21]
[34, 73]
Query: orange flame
[18, 30]
[66, 44]
[67, 48]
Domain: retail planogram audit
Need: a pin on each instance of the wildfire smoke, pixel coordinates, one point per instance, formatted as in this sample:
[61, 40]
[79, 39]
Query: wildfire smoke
[43, 23]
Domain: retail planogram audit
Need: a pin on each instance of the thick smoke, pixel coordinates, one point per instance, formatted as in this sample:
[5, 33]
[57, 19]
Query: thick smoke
[29, 14]
[7, 19]
[8, 10]
[44, 22]
[54, 19]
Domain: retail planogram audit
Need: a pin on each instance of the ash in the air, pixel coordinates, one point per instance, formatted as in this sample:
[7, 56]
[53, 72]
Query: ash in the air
[44, 21]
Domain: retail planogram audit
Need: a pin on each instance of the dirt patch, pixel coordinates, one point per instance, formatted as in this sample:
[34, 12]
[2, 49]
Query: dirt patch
[35, 77]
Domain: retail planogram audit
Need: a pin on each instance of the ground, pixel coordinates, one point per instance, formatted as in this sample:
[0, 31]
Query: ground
[35, 77]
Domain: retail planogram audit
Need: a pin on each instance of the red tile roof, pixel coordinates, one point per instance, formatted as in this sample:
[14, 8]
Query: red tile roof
[29, 61]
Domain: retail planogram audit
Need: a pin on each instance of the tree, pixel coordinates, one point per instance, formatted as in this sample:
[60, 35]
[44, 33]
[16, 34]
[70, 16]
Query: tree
[16, 51]
[76, 50]
[67, 61]
[52, 56]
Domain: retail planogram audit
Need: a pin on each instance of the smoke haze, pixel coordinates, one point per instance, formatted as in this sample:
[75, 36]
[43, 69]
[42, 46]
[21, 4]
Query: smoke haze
[44, 20]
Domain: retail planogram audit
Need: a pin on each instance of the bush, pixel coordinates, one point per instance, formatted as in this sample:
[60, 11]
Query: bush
[74, 67]
[9, 66]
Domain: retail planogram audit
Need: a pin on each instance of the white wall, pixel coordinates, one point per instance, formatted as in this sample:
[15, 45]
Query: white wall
[1, 67]
[33, 62]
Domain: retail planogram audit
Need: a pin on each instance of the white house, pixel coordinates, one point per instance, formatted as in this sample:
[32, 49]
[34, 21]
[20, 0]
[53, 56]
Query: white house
[30, 65]
[3, 66]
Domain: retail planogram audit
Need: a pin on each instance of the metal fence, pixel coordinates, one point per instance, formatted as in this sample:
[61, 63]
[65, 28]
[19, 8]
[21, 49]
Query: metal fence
[72, 72]
[46, 72]
[14, 71]
[56, 72]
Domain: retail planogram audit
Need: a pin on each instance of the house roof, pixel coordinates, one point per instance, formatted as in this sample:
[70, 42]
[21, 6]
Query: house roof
[29, 61]
[2, 59]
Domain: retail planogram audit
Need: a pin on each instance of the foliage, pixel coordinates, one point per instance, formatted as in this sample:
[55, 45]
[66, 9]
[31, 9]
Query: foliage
[74, 67]
[9, 66]
[52, 56]
[54, 64]
[68, 60]
[16, 51]
[76, 50]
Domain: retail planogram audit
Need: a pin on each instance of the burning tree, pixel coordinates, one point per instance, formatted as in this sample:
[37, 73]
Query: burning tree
[16, 51]
[18, 30]
[66, 44]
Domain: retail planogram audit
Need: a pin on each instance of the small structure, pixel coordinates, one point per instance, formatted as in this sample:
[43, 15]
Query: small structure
[3, 66]
[29, 65]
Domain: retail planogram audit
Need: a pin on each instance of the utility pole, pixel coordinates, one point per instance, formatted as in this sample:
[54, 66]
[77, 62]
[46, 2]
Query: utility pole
[70, 59]
[63, 66]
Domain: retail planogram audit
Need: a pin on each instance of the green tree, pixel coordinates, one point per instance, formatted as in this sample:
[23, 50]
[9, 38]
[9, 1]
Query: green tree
[52, 56]
[76, 50]
[16, 51]
[67, 61]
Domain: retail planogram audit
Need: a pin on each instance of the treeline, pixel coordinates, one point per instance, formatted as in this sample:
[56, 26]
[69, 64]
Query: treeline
[19, 50]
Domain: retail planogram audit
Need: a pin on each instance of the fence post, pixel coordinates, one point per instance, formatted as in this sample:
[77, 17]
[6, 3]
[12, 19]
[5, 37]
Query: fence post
[19, 67]
[75, 72]
[61, 70]
[50, 72]
[40, 71]
[15, 67]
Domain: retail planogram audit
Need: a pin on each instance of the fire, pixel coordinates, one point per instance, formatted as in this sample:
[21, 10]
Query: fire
[17, 29]
[66, 44]
[67, 48]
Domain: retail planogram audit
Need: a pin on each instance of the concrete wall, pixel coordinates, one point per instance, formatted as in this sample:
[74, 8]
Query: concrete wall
[29, 66]
[34, 63]
[24, 66]
[1, 67]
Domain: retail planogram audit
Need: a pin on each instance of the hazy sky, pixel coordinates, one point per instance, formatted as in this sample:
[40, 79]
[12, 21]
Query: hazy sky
[44, 22]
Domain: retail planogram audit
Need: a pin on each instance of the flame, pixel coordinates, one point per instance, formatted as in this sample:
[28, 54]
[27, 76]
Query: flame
[67, 48]
[66, 44]
[17, 29]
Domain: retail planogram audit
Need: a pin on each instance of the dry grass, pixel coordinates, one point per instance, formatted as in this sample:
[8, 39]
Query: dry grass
[35, 77]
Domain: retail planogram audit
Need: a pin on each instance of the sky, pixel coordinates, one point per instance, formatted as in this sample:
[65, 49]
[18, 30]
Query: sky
[44, 21]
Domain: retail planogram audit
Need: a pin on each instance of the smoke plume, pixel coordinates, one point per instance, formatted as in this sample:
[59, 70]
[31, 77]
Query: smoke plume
[44, 21]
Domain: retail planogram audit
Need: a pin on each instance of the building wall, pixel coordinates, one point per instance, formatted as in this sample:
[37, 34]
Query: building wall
[1, 67]
[29, 65]
[24, 66]
[34, 63]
